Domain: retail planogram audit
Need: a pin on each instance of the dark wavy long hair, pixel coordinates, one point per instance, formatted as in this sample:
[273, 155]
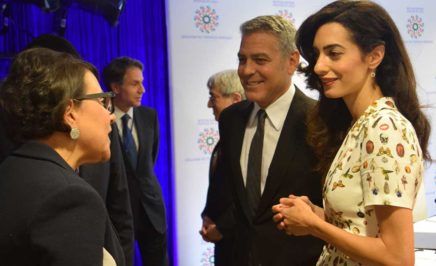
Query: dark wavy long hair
[369, 25]
[34, 95]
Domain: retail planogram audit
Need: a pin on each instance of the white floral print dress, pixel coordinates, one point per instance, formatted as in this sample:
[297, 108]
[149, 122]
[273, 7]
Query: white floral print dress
[379, 163]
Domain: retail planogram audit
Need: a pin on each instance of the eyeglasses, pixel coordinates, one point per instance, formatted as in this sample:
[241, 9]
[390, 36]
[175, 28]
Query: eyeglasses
[104, 98]
[213, 98]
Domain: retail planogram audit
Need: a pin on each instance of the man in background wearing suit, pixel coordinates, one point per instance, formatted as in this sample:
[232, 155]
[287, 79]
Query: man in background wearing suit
[107, 178]
[225, 89]
[264, 152]
[139, 134]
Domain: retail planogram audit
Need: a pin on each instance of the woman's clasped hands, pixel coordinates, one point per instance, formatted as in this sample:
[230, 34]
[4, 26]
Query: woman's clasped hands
[297, 215]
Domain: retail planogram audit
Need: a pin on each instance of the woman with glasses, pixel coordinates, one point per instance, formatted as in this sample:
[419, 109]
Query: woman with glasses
[54, 105]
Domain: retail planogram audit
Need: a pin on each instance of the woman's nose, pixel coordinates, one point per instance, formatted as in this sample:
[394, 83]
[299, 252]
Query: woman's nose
[320, 66]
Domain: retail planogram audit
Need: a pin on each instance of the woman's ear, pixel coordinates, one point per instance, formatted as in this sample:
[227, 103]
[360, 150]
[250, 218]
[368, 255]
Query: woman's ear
[70, 114]
[376, 56]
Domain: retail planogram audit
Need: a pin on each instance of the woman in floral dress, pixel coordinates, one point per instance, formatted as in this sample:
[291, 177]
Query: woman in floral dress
[370, 135]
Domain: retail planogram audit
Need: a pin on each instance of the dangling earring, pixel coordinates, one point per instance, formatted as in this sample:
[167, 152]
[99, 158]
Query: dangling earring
[372, 74]
[74, 133]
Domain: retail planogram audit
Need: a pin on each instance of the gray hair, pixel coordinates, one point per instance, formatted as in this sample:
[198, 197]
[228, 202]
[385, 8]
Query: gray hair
[276, 25]
[228, 82]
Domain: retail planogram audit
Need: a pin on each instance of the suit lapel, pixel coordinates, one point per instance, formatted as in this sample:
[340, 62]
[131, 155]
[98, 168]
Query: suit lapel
[236, 144]
[284, 153]
[141, 130]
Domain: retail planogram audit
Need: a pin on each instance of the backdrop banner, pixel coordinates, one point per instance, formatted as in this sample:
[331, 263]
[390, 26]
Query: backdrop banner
[204, 38]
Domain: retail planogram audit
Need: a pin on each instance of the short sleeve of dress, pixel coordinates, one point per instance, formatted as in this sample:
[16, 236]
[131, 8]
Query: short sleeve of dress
[392, 164]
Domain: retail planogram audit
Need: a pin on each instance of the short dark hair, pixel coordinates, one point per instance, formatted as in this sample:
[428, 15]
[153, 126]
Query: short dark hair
[37, 89]
[114, 72]
[53, 42]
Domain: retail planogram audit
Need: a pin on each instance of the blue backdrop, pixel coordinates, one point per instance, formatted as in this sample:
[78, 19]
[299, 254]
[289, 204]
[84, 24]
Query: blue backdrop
[141, 34]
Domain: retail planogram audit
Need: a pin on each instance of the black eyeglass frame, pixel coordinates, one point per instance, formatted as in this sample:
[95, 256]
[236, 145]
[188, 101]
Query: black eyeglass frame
[108, 105]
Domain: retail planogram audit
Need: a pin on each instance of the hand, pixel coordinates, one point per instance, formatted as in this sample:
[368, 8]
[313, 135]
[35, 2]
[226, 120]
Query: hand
[316, 209]
[278, 217]
[209, 231]
[295, 215]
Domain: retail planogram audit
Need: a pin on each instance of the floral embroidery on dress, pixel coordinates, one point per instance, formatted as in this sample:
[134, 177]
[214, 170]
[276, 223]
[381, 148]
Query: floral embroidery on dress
[379, 163]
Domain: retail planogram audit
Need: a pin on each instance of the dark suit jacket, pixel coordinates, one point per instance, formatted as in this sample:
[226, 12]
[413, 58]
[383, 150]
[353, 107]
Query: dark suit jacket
[110, 181]
[219, 196]
[107, 178]
[49, 215]
[144, 186]
[258, 241]
[6, 144]
[213, 195]
[218, 199]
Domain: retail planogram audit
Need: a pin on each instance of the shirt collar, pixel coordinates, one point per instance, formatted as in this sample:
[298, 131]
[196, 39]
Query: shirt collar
[277, 111]
[118, 113]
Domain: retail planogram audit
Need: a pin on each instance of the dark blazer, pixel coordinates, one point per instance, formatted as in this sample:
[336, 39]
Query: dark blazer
[110, 181]
[214, 196]
[143, 183]
[218, 199]
[258, 241]
[6, 144]
[49, 215]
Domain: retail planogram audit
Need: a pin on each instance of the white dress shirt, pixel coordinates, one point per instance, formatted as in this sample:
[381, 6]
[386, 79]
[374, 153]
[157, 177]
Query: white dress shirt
[119, 114]
[276, 115]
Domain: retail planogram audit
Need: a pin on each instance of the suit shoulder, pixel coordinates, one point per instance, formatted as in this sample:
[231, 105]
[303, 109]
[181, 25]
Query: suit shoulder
[301, 96]
[302, 103]
[39, 180]
[145, 110]
[235, 108]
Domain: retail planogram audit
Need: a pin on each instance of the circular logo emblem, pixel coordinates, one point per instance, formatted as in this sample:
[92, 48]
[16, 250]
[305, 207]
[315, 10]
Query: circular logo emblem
[207, 140]
[415, 26]
[206, 19]
[208, 258]
[286, 15]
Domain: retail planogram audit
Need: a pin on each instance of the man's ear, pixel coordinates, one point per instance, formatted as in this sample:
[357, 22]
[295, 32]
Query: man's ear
[115, 87]
[70, 115]
[376, 56]
[236, 97]
[293, 61]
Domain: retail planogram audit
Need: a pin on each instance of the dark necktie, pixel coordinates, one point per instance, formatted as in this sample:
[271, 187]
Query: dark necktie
[254, 164]
[129, 142]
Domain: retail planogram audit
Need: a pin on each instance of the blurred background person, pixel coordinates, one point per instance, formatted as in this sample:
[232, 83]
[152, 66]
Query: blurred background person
[225, 89]
[54, 106]
[139, 132]
[369, 133]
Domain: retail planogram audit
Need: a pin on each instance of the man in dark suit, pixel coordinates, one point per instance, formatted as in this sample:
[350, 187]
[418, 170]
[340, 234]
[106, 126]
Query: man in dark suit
[107, 178]
[225, 89]
[110, 181]
[139, 134]
[264, 152]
